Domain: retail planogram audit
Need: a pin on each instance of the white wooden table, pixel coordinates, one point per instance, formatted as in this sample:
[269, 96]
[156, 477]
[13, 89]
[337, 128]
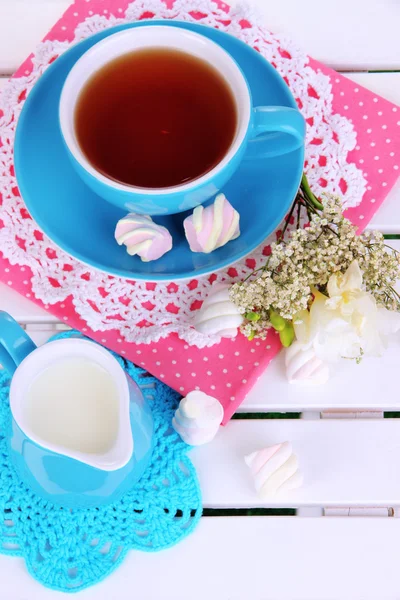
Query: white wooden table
[351, 458]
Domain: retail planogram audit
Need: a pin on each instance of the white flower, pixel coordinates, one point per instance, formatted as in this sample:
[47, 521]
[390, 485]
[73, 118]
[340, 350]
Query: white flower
[348, 323]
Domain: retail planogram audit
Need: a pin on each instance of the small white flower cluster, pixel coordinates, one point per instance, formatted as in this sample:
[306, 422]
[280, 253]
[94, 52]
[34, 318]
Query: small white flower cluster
[306, 260]
[380, 266]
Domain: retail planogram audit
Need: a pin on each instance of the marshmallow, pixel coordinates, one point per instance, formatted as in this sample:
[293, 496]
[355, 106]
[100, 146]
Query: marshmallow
[143, 237]
[209, 228]
[198, 418]
[274, 469]
[304, 367]
[218, 314]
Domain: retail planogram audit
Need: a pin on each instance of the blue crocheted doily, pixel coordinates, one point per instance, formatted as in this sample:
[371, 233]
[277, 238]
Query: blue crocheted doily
[69, 550]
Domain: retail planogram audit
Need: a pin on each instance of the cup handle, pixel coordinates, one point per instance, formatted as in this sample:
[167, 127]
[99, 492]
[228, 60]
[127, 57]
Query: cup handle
[15, 344]
[285, 128]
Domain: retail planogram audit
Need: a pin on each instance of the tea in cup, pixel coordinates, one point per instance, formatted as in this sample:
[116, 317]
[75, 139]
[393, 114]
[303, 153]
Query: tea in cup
[157, 119]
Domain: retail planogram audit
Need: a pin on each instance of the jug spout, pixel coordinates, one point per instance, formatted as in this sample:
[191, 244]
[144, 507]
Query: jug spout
[120, 453]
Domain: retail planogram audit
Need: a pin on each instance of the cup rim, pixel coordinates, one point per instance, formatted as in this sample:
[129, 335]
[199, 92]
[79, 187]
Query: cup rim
[69, 87]
[37, 361]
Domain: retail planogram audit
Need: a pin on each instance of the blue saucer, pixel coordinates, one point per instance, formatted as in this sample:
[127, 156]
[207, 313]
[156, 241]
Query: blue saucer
[82, 224]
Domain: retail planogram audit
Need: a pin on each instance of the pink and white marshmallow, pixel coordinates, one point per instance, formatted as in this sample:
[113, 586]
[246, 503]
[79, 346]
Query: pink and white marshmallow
[198, 418]
[209, 228]
[143, 237]
[218, 314]
[274, 469]
[303, 367]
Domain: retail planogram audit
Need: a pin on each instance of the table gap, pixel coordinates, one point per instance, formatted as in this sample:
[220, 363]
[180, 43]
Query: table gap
[365, 71]
[249, 512]
[242, 416]
[372, 71]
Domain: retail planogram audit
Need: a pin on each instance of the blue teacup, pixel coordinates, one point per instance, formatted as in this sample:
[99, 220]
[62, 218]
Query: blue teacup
[260, 132]
[58, 458]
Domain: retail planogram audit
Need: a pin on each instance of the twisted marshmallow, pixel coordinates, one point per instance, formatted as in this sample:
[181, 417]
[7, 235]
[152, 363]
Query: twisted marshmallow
[143, 237]
[274, 469]
[218, 314]
[209, 228]
[198, 418]
[304, 367]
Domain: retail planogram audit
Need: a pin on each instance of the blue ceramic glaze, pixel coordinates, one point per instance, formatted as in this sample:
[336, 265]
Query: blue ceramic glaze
[162, 204]
[79, 221]
[15, 344]
[58, 477]
[71, 483]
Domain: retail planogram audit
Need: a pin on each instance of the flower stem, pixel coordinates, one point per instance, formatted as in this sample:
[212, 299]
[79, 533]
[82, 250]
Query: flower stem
[287, 222]
[394, 291]
[299, 204]
[308, 193]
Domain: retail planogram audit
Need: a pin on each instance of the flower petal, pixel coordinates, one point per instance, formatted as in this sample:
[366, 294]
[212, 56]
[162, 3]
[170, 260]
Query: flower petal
[301, 325]
[352, 280]
[388, 321]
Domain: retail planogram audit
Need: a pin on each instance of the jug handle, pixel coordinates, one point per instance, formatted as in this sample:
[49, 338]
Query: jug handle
[15, 344]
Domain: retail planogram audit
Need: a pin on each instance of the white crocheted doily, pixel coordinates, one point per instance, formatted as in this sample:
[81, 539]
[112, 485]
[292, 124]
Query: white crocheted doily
[146, 312]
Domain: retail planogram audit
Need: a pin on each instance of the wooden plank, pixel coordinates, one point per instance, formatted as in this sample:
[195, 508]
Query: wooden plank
[243, 558]
[23, 24]
[341, 467]
[345, 462]
[21, 308]
[320, 28]
[387, 218]
[351, 387]
[272, 392]
[339, 33]
[41, 333]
